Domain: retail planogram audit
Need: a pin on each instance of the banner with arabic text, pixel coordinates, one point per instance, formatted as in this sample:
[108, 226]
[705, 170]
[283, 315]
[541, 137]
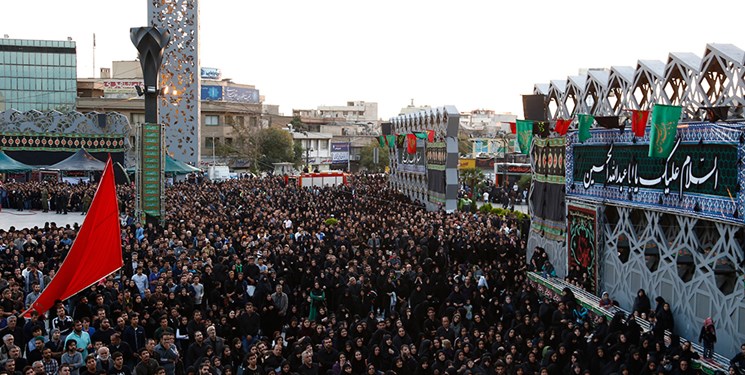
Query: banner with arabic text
[416, 162]
[700, 176]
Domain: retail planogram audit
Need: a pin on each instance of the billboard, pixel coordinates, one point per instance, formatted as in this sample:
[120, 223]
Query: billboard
[211, 92]
[210, 73]
[339, 153]
[120, 89]
[242, 95]
[466, 163]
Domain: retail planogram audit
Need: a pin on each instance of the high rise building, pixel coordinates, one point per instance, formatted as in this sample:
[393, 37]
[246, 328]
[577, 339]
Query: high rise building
[37, 74]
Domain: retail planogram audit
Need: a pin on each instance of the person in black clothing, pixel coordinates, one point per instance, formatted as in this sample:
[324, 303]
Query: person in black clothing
[119, 367]
[308, 367]
[738, 361]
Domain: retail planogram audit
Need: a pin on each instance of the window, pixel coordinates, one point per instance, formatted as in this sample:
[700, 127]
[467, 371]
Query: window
[211, 120]
[228, 141]
[138, 118]
[209, 142]
[323, 144]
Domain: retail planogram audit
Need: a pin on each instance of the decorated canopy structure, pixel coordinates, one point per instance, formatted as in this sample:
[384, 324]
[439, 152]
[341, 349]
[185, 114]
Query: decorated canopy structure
[10, 165]
[79, 161]
[178, 167]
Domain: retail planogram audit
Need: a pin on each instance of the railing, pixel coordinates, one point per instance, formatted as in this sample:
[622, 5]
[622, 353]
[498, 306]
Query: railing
[592, 303]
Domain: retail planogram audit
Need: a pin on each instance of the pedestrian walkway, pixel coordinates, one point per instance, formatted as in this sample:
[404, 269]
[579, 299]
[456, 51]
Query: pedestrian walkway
[31, 218]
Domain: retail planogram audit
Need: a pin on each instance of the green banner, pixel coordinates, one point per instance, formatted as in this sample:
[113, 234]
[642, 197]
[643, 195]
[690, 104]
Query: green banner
[524, 135]
[585, 122]
[151, 169]
[664, 128]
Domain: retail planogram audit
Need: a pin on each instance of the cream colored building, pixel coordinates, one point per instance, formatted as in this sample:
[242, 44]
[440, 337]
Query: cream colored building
[223, 103]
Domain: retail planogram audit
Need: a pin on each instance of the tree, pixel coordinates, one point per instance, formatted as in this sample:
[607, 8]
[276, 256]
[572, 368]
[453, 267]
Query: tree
[524, 181]
[261, 147]
[297, 124]
[465, 146]
[276, 146]
[472, 176]
[366, 157]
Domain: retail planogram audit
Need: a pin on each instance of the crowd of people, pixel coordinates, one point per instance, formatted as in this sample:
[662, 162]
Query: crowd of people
[255, 276]
[60, 197]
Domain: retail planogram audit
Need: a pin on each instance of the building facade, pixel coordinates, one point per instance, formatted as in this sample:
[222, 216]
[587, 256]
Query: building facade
[37, 75]
[223, 104]
[353, 112]
[486, 122]
[316, 149]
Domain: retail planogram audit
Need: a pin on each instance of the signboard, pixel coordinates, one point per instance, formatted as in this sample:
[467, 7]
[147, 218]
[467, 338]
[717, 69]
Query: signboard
[416, 162]
[511, 168]
[151, 169]
[700, 176]
[242, 95]
[466, 163]
[117, 88]
[211, 92]
[210, 73]
[339, 153]
[485, 163]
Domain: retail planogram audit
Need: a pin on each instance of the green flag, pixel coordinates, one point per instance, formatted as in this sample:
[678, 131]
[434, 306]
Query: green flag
[382, 141]
[524, 135]
[421, 135]
[585, 122]
[391, 141]
[664, 128]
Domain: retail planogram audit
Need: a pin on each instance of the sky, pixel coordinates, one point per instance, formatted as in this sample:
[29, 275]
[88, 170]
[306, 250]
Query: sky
[470, 54]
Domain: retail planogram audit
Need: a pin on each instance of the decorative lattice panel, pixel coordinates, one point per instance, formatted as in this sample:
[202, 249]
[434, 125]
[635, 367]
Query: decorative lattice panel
[695, 264]
[717, 79]
[56, 131]
[179, 108]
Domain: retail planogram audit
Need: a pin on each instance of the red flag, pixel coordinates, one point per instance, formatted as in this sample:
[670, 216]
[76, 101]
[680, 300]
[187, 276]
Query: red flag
[96, 252]
[562, 126]
[513, 127]
[639, 122]
[430, 135]
[411, 143]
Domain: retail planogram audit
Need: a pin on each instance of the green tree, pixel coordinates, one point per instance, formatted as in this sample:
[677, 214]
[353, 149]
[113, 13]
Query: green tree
[366, 157]
[472, 176]
[465, 146]
[297, 124]
[275, 145]
[261, 147]
[297, 151]
[524, 181]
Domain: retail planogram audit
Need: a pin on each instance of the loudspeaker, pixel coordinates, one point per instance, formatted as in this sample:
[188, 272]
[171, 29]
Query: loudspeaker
[534, 107]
